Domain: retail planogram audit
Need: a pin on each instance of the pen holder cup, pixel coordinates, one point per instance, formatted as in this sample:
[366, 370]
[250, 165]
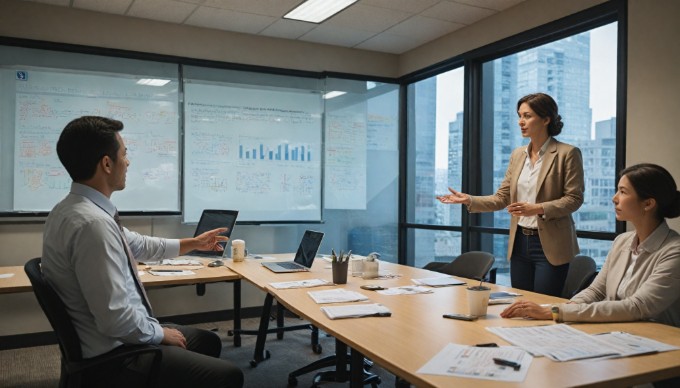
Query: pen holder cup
[370, 269]
[340, 272]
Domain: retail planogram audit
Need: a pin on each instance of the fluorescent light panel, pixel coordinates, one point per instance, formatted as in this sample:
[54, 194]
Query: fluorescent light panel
[316, 11]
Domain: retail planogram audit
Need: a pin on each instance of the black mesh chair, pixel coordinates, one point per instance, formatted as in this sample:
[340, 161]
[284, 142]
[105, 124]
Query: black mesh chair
[582, 271]
[73, 365]
[471, 265]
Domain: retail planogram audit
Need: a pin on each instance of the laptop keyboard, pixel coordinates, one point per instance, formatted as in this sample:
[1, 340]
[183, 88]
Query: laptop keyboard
[289, 265]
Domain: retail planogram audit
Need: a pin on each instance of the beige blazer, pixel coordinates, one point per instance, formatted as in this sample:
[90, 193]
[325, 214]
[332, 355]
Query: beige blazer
[653, 291]
[560, 191]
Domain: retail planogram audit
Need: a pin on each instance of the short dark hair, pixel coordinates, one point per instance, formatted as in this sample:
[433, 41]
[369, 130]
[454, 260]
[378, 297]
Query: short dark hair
[653, 181]
[84, 142]
[545, 107]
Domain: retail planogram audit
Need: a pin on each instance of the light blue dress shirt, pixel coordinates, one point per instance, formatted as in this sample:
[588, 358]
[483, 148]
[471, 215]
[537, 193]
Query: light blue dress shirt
[84, 260]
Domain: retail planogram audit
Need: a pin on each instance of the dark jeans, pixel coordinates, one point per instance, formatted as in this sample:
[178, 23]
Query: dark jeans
[531, 271]
[198, 365]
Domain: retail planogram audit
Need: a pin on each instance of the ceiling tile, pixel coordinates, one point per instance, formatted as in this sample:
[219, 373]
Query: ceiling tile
[287, 29]
[347, 37]
[276, 8]
[163, 10]
[388, 43]
[367, 18]
[223, 19]
[457, 13]
[423, 28]
[497, 5]
[411, 6]
[108, 6]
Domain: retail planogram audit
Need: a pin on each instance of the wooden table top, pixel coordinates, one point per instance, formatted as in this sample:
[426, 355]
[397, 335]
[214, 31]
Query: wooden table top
[19, 281]
[416, 331]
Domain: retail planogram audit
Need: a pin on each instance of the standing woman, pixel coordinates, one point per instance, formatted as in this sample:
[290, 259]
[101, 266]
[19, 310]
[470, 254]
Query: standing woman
[543, 186]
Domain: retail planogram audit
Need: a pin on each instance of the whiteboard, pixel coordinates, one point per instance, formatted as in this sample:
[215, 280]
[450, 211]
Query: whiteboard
[258, 151]
[46, 100]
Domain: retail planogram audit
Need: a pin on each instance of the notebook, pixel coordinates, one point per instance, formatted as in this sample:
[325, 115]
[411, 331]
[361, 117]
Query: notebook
[213, 219]
[304, 257]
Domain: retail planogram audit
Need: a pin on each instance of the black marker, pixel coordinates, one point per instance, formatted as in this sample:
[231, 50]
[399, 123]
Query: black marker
[512, 364]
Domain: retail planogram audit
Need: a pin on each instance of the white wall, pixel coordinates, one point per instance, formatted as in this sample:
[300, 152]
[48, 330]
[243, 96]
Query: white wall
[653, 97]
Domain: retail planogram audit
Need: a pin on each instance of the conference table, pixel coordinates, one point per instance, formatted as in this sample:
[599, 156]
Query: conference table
[416, 331]
[19, 282]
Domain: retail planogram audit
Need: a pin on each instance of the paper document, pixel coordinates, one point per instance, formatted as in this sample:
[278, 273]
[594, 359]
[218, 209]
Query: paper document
[503, 295]
[478, 363]
[439, 281]
[564, 343]
[162, 272]
[405, 290]
[336, 295]
[180, 262]
[356, 311]
[301, 284]
[632, 345]
[501, 301]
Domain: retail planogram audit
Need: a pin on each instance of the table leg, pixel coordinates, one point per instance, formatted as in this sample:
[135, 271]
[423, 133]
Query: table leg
[260, 353]
[237, 312]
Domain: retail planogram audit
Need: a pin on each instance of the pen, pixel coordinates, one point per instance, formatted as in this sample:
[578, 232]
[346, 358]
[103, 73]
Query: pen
[167, 270]
[512, 364]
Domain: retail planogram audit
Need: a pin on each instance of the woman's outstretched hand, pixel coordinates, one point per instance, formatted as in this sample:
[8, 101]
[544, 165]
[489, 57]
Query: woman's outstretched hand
[454, 197]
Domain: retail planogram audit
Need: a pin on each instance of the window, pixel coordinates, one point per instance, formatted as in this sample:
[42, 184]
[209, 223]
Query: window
[435, 122]
[575, 60]
[579, 72]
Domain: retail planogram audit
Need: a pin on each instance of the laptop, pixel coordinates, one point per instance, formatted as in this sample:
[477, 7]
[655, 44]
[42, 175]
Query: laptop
[213, 219]
[304, 257]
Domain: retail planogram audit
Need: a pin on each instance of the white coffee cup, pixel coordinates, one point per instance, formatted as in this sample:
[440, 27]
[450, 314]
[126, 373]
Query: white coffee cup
[370, 268]
[478, 300]
[238, 250]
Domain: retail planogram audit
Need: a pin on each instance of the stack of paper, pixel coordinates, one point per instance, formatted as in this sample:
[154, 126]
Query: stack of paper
[337, 295]
[564, 343]
[439, 281]
[356, 311]
[301, 284]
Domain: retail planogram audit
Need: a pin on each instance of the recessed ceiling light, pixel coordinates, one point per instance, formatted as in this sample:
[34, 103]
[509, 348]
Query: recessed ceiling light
[316, 11]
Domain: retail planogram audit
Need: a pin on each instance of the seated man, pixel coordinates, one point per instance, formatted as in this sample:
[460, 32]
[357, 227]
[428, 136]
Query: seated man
[89, 259]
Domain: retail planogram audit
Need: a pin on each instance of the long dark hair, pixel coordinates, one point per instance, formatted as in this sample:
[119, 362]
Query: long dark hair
[653, 181]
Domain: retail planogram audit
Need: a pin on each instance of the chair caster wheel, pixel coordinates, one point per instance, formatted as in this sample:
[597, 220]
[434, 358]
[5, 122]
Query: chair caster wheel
[317, 349]
[292, 381]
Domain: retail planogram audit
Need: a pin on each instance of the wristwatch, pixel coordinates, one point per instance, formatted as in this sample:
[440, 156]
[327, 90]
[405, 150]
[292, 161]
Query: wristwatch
[555, 310]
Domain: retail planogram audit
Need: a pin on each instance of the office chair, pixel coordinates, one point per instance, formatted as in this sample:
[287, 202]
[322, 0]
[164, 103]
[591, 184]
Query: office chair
[471, 265]
[73, 365]
[582, 271]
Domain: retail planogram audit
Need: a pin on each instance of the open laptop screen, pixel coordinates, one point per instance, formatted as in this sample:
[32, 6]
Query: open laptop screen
[308, 248]
[213, 219]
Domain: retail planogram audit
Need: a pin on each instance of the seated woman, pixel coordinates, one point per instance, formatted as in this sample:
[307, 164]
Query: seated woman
[640, 280]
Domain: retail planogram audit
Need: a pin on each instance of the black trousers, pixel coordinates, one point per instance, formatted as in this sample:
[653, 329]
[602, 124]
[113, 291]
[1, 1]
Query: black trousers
[198, 365]
[530, 270]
